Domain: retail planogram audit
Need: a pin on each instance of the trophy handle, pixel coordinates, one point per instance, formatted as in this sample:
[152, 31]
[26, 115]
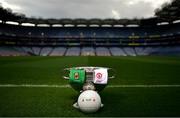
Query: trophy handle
[65, 77]
[112, 77]
[64, 72]
[114, 73]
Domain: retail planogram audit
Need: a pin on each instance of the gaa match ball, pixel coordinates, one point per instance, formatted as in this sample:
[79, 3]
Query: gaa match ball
[89, 101]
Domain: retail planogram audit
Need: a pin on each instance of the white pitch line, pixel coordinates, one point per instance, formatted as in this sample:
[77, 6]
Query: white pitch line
[142, 86]
[33, 86]
[68, 86]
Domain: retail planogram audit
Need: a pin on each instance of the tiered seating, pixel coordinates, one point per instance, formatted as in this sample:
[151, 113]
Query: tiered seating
[87, 51]
[73, 51]
[165, 51]
[140, 51]
[129, 51]
[27, 50]
[102, 51]
[115, 51]
[177, 50]
[7, 51]
[148, 50]
[46, 51]
[36, 50]
[58, 51]
[155, 51]
[89, 31]
[20, 51]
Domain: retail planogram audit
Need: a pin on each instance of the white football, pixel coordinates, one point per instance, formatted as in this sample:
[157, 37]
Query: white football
[89, 101]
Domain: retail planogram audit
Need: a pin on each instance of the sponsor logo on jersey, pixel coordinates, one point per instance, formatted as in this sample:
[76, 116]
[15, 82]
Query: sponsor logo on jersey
[76, 75]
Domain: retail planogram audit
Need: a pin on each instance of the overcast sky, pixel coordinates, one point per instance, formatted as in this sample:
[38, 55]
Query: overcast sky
[85, 8]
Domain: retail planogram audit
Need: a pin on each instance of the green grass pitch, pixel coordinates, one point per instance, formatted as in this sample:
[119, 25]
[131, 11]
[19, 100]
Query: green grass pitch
[138, 101]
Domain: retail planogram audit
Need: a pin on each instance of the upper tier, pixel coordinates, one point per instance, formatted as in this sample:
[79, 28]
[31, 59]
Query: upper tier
[89, 32]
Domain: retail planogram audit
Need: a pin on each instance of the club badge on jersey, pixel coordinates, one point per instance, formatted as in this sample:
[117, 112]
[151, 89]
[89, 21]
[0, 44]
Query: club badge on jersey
[76, 75]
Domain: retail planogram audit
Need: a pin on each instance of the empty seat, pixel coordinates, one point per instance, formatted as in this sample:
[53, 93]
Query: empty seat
[102, 51]
[116, 51]
[46, 51]
[87, 51]
[74, 51]
[129, 51]
[58, 51]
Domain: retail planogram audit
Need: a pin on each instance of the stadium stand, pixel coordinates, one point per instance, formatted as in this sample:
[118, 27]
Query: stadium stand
[58, 51]
[116, 51]
[74, 51]
[36, 50]
[10, 51]
[27, 50]
[149, 37]
[102, 51]
[140, 51]
[87, 51]
[129, 51]
[46, 51]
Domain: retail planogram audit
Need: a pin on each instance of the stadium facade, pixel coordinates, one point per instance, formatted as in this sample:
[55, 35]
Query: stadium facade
[88, 37]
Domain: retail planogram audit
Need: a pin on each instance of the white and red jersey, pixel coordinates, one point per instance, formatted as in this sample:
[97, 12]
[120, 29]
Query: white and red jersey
[100, 76]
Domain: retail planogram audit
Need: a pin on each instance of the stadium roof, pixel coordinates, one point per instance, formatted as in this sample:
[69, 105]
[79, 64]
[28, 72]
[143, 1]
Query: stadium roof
[87, 22]
[79, 21]
[168, 13]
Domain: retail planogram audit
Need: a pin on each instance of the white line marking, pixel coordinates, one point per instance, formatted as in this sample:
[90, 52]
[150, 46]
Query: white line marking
[33, 86]
[142, 86]
[68, 86]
